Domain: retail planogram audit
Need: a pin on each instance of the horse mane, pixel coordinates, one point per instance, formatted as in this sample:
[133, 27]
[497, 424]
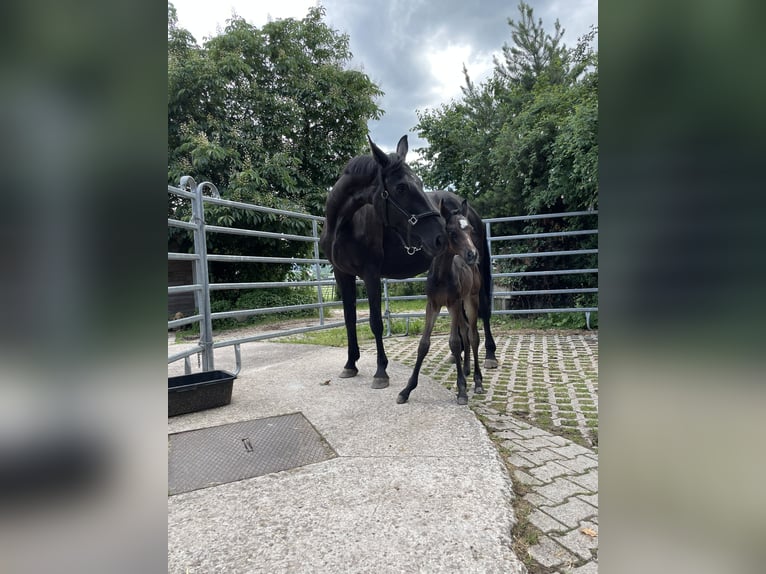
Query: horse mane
[367, 166]
[362, 166]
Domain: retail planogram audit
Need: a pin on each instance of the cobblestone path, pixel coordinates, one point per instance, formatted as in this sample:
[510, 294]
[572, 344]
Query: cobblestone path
[541, 409]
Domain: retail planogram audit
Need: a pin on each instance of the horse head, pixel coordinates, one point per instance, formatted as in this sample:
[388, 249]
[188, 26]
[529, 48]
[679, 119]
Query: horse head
[459, 241]
[402, 204]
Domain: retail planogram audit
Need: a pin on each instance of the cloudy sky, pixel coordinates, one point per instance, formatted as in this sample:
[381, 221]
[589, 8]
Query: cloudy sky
[413, 49]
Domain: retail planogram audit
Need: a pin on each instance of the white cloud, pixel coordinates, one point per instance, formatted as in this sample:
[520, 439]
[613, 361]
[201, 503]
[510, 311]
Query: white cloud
[446, 65]
[204, 18]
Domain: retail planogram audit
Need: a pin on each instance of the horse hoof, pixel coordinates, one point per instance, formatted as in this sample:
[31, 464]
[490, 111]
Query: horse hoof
[400, 400]
[348, 373]
[479, 390]
[378, 383]
[462, 400]
[490, 364]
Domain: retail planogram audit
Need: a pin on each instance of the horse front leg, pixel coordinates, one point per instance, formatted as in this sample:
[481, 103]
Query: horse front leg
[470, 305]
[347, 285]
[456, 345]
[432, 312]
[380, 380]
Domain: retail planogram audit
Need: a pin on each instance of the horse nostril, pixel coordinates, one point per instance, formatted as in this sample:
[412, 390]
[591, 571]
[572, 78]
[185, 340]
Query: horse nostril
[439, 242]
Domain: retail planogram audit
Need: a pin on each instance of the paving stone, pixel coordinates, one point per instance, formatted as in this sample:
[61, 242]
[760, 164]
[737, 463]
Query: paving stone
[519, 461]
[536, 443]
[533, 432]
[580, 463]
[559, 440]
[549, 471]
[572, 512]
[540, 457]
[588, 480]
[560, 490]
[572, 450]
[546, 523]
[578, 542]
[536, 500]
[590, 499]
[548, 553]
[508, 435]
[587, 568]
[524, 478]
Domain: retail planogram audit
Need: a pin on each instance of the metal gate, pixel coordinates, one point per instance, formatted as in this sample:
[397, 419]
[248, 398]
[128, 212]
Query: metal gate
[504, 250]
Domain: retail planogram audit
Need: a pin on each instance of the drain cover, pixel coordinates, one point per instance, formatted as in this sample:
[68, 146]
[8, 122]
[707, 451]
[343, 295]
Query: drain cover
[227, 453]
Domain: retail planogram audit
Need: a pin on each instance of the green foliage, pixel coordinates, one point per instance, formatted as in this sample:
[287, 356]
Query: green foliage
[526, 142]
[269, 115]
[261, 299]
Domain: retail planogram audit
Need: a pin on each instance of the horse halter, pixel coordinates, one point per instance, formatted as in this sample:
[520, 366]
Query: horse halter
[412, 219]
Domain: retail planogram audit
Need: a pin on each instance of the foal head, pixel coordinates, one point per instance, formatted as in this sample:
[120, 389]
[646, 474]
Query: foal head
[459, 231]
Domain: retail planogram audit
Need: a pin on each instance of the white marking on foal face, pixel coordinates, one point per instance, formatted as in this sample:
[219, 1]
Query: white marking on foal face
[463, 222]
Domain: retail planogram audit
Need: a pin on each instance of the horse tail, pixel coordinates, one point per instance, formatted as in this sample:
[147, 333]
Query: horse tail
[485, 298]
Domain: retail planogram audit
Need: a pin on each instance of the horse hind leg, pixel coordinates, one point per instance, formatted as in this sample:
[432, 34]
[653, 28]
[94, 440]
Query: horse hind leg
[456, 345]
[473, 334]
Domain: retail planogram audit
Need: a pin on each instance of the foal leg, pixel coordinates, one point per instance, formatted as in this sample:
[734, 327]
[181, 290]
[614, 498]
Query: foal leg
[432, 312]
[456, 345]
[473, 336]
[347, 285]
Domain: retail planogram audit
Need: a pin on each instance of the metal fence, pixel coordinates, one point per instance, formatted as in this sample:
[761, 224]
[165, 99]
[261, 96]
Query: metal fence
[501, 256]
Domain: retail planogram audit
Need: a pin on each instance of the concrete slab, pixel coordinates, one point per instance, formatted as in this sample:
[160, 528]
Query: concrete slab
[415, 487]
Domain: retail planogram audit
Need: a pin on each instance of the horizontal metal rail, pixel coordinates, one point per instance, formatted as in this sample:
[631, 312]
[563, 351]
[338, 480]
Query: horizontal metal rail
[267, 310]
[182, 354]
[285, 333]
[540, 311]
[184, 321]
[183, 256]
[271, 284]
[184, 288]
[254, 233]
[542, 273]
[260, 208]
[545, 292]
[179, 223]
[257, 259]
[545, 235]
[541, 216]
[181, 192]
[545, 254]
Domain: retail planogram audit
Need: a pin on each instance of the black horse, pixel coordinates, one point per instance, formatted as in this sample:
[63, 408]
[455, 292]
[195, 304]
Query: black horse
[380, 223]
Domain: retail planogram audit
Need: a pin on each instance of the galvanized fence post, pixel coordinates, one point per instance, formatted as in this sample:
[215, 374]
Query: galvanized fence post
[491, 267]
[317, 270]
[203, 295]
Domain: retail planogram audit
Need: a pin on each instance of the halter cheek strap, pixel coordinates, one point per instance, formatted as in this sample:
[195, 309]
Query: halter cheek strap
[412, 219]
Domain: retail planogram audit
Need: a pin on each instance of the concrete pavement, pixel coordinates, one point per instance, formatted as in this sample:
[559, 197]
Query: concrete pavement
[418, 487]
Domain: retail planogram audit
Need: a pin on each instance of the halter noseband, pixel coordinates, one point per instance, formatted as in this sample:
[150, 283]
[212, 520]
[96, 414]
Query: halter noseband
[412, 219]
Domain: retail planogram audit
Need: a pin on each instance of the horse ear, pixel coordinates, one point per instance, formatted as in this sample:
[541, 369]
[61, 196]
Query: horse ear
[402, 147]
[445, 213]
[380, 156]
[464, 207]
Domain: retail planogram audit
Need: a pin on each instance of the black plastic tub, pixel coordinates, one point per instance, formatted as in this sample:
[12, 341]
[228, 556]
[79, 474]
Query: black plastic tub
[199, 391]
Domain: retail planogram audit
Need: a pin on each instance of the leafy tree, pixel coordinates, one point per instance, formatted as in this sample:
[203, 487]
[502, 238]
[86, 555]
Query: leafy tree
[270, 115]
[524, 141]
[266, 114]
